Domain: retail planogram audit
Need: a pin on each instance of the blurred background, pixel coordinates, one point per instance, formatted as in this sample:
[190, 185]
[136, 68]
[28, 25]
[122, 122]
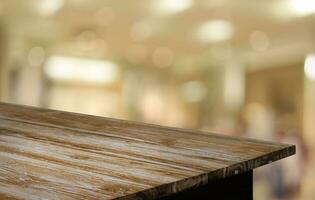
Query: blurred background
[236, 67]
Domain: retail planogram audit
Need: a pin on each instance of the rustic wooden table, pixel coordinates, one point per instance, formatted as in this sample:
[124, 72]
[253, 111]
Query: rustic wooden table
[48, 154]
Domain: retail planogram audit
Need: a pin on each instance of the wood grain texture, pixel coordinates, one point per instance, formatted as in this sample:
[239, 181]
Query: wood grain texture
[48, 154]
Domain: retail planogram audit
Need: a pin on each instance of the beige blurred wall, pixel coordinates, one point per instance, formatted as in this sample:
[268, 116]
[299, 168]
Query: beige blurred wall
[3, 59]
[309, 113]
[279, 90]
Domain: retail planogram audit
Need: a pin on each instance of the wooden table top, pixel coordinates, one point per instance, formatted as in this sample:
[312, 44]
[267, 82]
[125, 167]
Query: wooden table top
[48, 154]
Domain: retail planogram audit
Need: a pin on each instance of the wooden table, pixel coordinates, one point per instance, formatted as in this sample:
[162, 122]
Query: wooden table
[48, 154]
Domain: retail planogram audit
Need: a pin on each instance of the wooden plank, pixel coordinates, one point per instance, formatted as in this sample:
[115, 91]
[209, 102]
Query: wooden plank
[51, 154]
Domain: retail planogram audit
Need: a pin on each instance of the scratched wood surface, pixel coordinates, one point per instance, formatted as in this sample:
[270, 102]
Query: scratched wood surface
[48, 154]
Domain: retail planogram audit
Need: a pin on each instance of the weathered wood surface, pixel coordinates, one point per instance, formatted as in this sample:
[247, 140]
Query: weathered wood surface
[47, 154]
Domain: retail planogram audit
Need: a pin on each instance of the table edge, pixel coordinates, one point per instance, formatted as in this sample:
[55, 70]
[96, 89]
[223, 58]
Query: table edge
[205, 178]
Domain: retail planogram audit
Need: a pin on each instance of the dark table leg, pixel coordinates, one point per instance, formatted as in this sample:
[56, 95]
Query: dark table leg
[238, 187]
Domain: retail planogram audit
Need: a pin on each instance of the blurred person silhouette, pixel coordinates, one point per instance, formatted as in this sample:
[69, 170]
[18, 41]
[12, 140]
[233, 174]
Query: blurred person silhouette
[290, 171]
[282, 178]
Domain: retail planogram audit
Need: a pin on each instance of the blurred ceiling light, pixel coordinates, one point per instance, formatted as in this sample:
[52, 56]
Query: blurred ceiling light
[49, 7]
[83, 70]
[171, 6]
[259, 41]
[303, 7]
[215, 31]
[309, 66]
[194, 91]
[36, 56]
[163, 57]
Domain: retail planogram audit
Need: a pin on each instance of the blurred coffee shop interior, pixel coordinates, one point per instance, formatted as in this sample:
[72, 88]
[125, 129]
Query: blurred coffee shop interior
[236, 67]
